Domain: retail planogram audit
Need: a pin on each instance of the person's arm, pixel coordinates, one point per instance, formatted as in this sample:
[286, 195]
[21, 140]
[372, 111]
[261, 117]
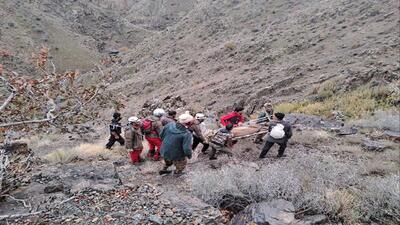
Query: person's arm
[199, 134]
[187, 145]
[158, 127]
[289, 132]
[162, 133]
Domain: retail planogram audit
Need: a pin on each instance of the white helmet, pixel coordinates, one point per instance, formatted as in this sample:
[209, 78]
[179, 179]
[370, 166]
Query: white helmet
[133, 119]
[159, 112]
[200, 116]
[185, 118]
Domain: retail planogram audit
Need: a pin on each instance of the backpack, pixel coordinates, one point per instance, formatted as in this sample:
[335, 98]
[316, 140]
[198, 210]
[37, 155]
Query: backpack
[277, 131]
[147, 126]
[128, 138]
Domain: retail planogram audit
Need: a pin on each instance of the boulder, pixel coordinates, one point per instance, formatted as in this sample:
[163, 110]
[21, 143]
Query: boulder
[314, 220]
[53, 188]
[17, 148]
[375, 146]
[275, 212]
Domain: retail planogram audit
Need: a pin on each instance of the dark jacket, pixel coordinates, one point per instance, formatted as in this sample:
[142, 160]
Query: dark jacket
[115, 126]
[286, 127]
[176, 142]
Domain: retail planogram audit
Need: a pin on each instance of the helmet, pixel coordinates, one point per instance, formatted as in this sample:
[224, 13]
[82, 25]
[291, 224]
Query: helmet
[133, 119]
[159, 112]
[200, 116]
[185, 118]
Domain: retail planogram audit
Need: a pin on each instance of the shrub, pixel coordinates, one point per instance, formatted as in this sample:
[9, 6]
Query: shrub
[304, 181]
[230, 45]
[380, 199]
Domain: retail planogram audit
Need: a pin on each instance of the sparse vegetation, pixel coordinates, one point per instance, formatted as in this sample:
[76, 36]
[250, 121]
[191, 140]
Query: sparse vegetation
[354, 104]
[318, 183]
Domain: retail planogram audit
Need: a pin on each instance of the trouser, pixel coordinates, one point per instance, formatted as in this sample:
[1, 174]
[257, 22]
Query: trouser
[135, 155]
[112, 140]
[268, 145]
[154, 147]
[197, 141]
[218, 148]
[180, 165]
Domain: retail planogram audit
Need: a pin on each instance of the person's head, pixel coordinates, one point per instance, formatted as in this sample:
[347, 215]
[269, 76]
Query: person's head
[158, 112]
[229, 127]
[268, 106]
[279, 116]
[200, 117]
[134, 121]
[172, 113]
[239, 109]
[117, 116]
[185, 119]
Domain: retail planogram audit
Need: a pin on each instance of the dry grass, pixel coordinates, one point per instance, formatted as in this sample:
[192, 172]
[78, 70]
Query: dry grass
[83, 151]
[355, 104]
[230, 45]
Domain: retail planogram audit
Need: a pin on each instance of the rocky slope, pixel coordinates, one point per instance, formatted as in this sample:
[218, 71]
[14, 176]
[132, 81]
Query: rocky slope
[213, 53]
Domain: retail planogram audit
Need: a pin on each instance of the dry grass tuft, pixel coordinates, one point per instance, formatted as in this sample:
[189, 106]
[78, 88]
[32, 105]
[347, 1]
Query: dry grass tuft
[230, 45]
[83, 151]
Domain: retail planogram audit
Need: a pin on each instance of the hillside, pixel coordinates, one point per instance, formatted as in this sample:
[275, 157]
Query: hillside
[332, 66]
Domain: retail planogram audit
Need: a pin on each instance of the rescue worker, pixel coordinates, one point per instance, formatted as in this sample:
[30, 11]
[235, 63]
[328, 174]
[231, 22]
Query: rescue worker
[151, 129]
[177, 144]
[170, 118]
[263, 118]
[221, 141]
[235, 118]
[199, 132]
[134, 138]
[279, 132]
[115, 131]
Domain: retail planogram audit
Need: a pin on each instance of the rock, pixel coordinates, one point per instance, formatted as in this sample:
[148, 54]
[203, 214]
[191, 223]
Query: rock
[314, 220]
[53, 188]
[17, 148]
[275, 212]
[168, 212]
[370, 145]
[346, 131]
[392, 135]
[155, 219]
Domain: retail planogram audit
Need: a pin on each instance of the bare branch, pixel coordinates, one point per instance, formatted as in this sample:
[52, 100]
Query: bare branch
[26, 205]
[54, 67]
[26, 122]
[10, 97]
[13, 216]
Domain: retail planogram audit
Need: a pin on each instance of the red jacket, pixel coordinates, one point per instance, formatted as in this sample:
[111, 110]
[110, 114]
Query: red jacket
[234, 118]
